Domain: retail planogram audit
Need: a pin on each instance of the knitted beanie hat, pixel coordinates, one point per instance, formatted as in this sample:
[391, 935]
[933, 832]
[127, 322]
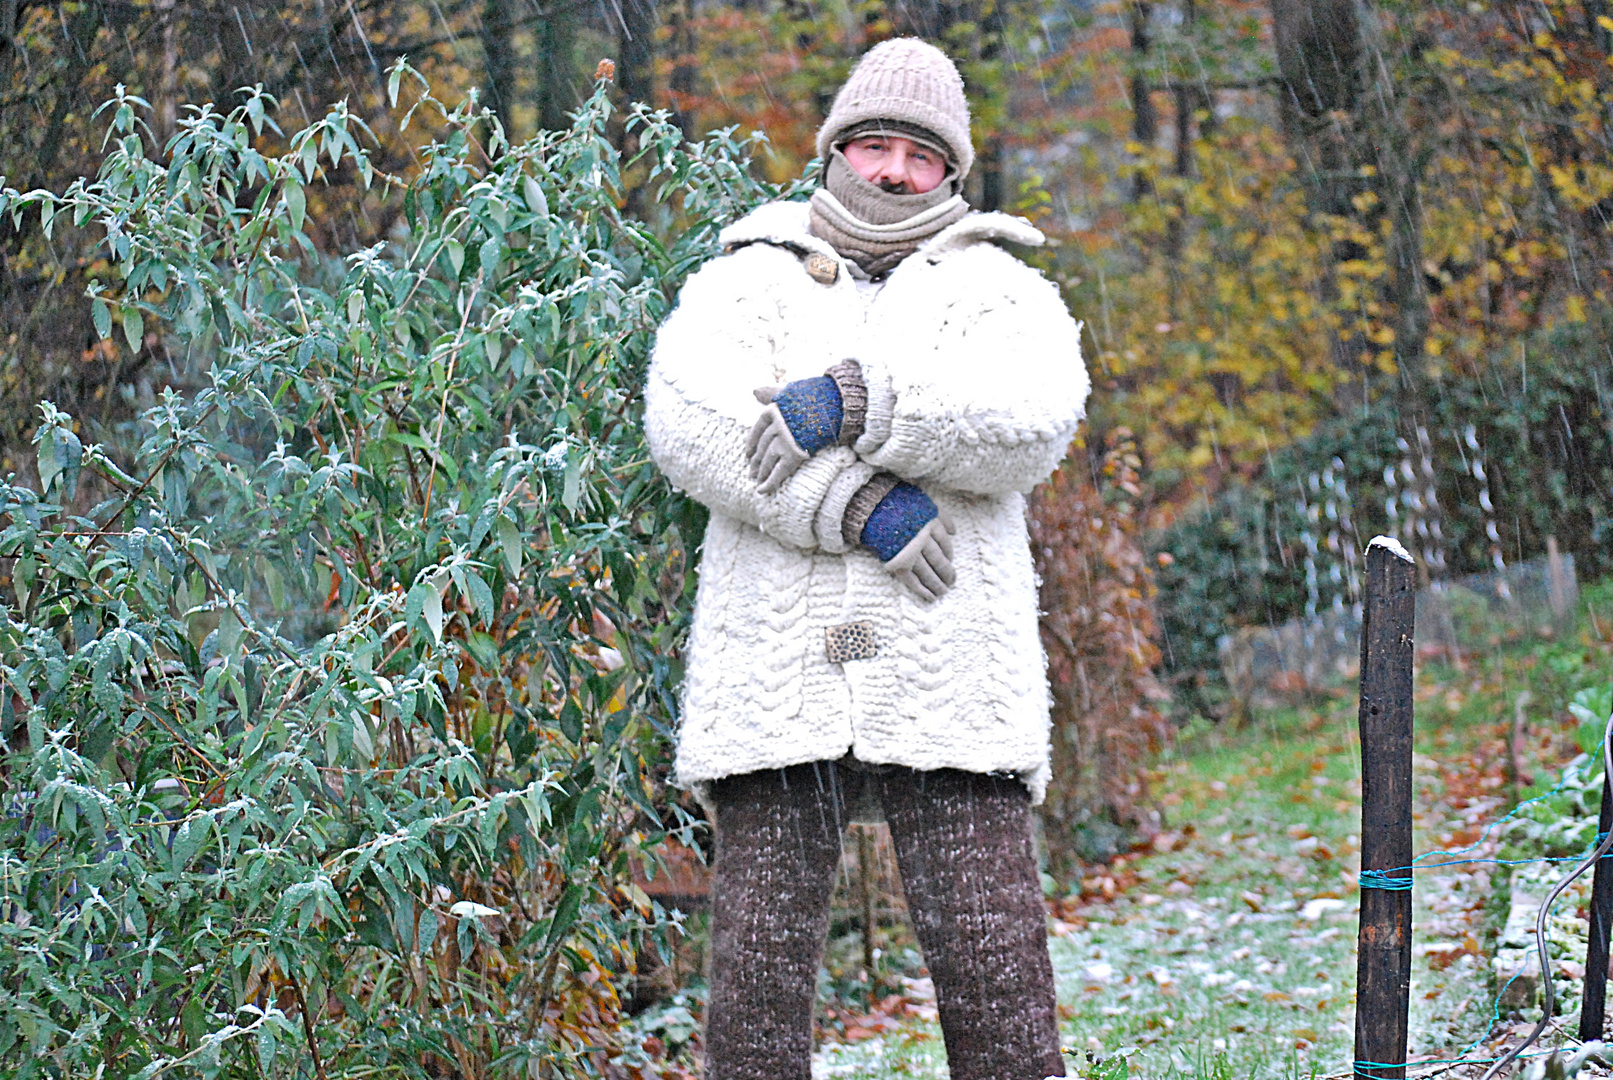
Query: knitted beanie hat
[910, 82]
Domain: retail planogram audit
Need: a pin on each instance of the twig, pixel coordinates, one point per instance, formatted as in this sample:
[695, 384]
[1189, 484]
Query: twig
[155, 715]
[253, 1026]
[447, 385]
[307, 1025]
[1514, 737]
[128, 499]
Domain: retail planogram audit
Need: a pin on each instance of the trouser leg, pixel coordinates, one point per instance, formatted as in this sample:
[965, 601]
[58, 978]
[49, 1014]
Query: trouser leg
[778, 843]
[963, 844]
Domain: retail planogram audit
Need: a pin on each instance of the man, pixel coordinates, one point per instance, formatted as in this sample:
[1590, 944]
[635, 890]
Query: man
[865, 627]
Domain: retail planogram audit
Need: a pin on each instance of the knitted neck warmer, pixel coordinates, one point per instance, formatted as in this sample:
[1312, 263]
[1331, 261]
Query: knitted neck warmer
[872, 227]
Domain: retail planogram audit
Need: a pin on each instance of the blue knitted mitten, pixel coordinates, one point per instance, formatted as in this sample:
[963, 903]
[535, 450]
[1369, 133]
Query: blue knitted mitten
[897, 519]
[813, 412]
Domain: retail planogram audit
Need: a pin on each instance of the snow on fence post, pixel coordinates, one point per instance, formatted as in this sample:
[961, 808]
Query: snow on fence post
[1383, 971]
[1595, 999]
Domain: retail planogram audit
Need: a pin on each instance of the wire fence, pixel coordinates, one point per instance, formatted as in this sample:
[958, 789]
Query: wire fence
[1535, 961]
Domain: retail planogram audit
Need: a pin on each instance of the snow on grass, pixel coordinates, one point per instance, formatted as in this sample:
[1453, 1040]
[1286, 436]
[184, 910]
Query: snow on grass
[1228, 950]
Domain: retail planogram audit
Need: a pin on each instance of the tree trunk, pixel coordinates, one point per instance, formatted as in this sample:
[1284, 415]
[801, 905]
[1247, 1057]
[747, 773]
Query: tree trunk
[681, 83]
[635, 76]
[635, 62]
[557, 75]
[1144, 118]
[168, 80]
[1185, 98]
[1345, 123]
[991, 160]
[499, 62]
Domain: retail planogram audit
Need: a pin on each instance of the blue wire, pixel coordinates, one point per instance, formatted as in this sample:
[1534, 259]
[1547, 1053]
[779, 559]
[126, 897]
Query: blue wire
[1380, 879]
[1509, 815]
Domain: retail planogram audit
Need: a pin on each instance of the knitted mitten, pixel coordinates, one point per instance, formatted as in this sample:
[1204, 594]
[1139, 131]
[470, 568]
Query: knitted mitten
[903, 526]
[896, 519]
[813, 412]
[825, 411]
[804, 417]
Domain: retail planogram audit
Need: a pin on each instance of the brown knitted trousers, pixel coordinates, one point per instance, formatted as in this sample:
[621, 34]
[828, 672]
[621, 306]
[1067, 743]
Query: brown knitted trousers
[963, 845]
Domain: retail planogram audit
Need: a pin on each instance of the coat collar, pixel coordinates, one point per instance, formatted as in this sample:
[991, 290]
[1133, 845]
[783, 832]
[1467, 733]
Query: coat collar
[785, 224]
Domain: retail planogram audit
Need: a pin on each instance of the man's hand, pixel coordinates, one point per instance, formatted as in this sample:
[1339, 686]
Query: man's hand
[908, 532]
[925, 564]
[773, 453]
[802, 418]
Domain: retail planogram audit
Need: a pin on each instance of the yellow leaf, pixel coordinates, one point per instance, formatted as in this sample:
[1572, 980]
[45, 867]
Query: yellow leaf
[1576, 309]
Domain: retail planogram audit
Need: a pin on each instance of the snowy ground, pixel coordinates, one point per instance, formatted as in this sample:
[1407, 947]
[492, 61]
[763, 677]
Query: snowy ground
[1229, 949]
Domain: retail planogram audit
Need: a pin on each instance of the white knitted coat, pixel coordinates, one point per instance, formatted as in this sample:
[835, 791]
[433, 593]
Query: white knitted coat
[975, 386]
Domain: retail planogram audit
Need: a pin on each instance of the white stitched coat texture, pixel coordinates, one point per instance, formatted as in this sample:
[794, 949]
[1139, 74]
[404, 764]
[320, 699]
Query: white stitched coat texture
[976, 387]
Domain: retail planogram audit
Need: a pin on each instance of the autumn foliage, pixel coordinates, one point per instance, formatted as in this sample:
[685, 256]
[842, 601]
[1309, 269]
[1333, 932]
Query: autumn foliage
[1098, 629]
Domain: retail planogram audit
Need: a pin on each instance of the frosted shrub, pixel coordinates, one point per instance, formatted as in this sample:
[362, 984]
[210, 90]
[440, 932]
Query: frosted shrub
[331, 733]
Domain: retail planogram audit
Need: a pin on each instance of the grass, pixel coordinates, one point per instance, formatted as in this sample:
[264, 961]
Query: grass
[1228, 949]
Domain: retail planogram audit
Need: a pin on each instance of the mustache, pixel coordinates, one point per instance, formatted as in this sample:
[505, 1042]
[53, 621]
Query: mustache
[891, 187]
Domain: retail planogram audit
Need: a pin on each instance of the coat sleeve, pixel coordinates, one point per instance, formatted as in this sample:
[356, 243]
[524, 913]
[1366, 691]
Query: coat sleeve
[731, 333]
[994, 408]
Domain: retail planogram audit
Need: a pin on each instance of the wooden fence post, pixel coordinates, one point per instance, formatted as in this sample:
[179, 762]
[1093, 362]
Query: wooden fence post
[1595, 1001]
[1383, 969]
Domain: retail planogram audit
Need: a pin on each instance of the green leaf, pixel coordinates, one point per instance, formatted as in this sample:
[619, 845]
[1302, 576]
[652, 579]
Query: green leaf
[296, 204]
[363, 741]
[102, 316]
[535, 200]
[424, 604]
[22, 580]
[266, 1047]
[572, 489]
[275, 584]
[190, 838]
[48, 466]
[456, 255]
[489, 255]
[134, 328]
[571, 721]
[481, 596]
[229, 631]
[60, 455]
[565, 914]
[509, 538]
[483, 649]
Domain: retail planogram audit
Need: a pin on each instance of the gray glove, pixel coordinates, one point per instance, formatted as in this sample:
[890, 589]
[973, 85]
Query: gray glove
[773, 453]
[925, 564]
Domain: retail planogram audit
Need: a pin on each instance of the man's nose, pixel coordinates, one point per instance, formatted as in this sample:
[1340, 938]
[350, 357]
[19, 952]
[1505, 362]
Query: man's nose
[894, 169]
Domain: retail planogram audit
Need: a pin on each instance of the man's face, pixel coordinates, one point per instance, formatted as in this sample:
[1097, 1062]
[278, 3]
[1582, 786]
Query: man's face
[900, 166]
